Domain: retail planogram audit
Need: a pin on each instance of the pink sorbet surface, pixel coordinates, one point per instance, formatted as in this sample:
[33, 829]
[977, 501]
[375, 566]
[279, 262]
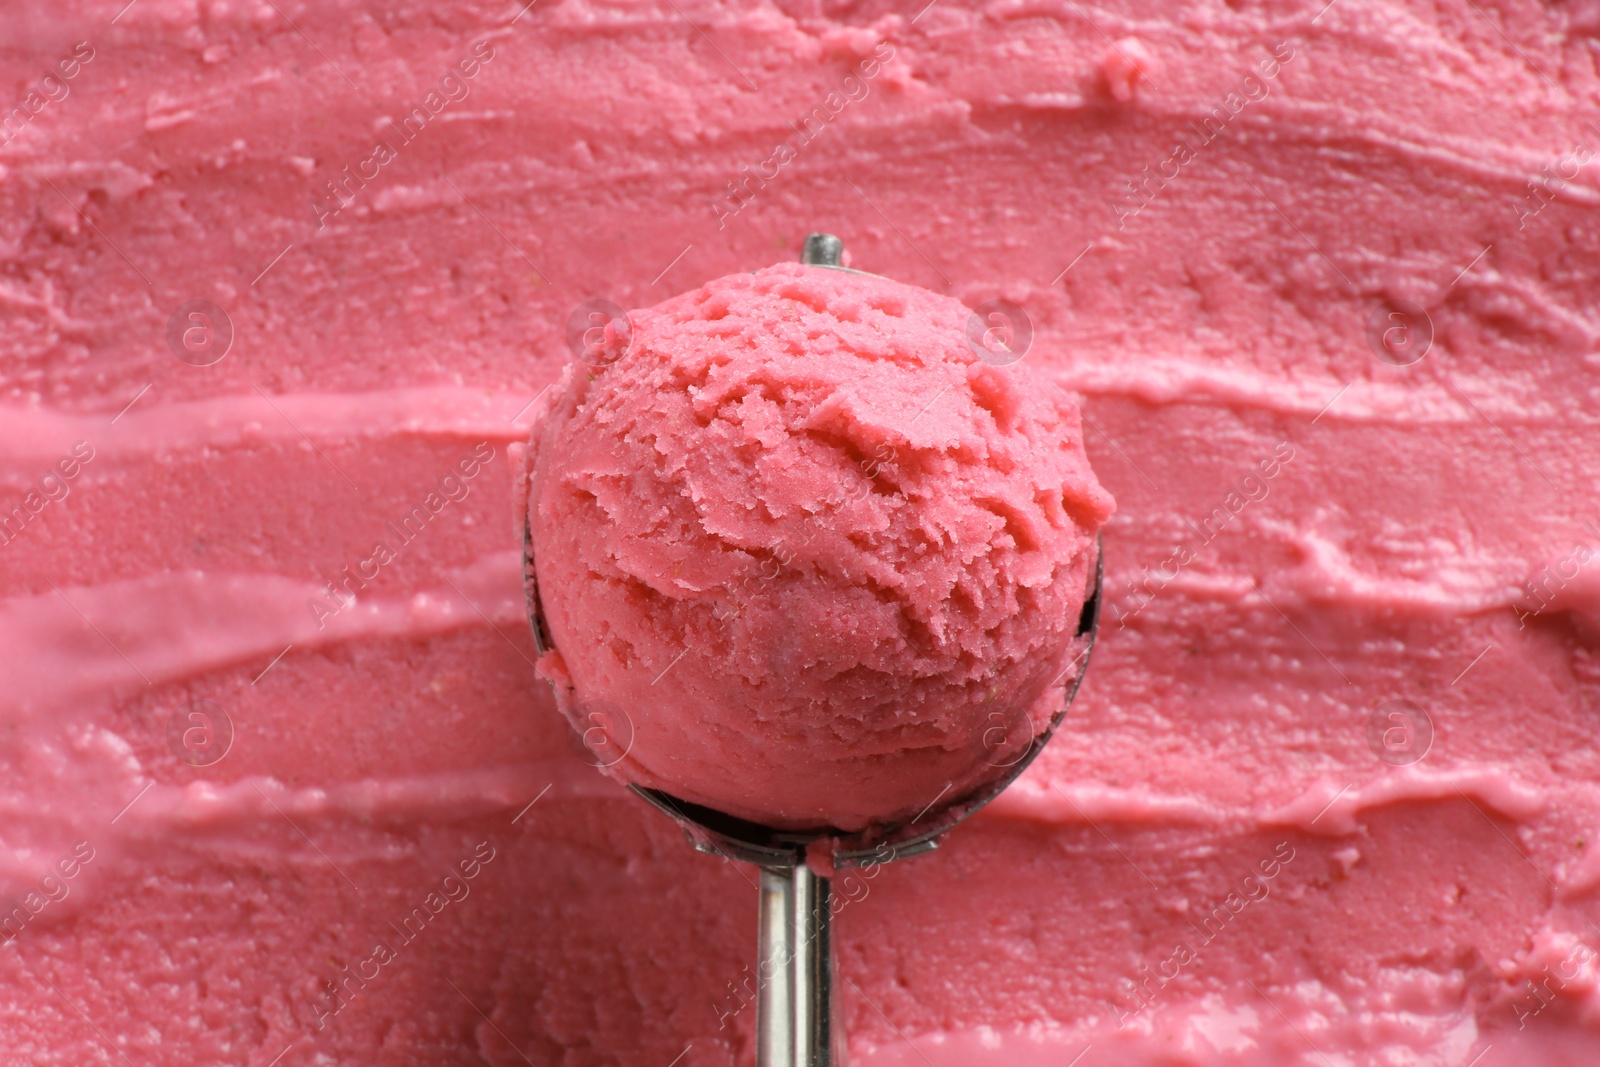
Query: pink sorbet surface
[1331, 789]
[810, 560]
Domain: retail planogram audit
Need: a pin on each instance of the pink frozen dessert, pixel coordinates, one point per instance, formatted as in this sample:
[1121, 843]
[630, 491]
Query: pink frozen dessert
[279, 282]
[815, 560]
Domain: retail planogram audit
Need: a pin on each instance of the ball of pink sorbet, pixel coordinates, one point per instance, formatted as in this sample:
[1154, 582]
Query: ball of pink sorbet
[807, 549]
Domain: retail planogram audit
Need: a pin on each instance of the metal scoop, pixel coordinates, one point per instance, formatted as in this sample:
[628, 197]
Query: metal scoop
[795, 1001]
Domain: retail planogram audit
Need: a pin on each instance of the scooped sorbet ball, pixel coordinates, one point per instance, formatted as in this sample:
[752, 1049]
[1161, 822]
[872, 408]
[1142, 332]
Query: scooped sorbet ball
[805, 548]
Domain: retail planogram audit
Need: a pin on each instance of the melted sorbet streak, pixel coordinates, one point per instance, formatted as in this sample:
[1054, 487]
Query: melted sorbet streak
[51, 888]
[1253, 889]
[1541, 996]
[1545, 587]
[452, 889]
[851, 90]
[341, 592]
[1143, 190]
[52, 487]
[1251, 490]
[1543, 187]
[51, 89]
[453, 88]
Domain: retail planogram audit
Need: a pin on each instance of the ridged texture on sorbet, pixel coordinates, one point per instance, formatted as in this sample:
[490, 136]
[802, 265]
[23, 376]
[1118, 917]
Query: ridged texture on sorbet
[811, 545]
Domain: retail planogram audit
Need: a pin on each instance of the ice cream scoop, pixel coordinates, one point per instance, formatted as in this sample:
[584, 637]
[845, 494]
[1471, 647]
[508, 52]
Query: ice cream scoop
[836, 615]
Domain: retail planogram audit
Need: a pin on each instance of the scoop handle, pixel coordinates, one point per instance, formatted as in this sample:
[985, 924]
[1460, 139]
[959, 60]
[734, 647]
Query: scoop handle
[795, 1002]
